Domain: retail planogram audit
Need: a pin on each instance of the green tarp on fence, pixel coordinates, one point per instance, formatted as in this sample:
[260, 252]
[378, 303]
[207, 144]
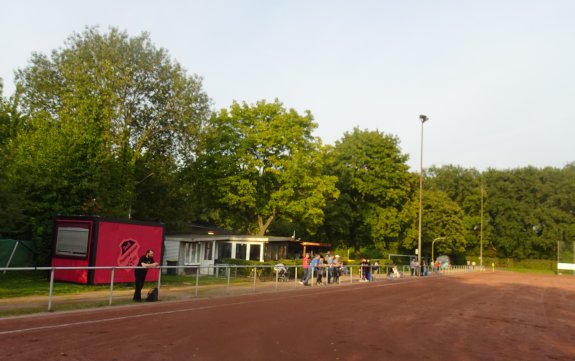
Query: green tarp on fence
[15, 253]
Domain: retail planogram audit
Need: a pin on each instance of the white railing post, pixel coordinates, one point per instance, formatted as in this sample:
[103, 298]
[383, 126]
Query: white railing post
[295, 275]
[51, 289]
[312, 275]
[255, 276]
[111, 285]
[159, 281]
[228, 272]
[277, 277]
[197, 279]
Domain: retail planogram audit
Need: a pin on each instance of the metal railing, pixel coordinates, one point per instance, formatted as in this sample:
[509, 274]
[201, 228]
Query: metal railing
[254, 277]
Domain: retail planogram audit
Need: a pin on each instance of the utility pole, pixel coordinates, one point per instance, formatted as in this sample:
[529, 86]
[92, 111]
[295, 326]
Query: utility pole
[423, 119]
[481, 232]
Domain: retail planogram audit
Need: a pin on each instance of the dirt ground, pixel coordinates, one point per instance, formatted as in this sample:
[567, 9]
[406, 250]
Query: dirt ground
[476, 316]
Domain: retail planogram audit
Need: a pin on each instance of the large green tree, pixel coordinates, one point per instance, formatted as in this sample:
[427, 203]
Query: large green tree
[12, 221]
[105, 114]
[442, 220]
[526, 210]
[530, 210]
[375, 185]
[466, 188]
[260, 163]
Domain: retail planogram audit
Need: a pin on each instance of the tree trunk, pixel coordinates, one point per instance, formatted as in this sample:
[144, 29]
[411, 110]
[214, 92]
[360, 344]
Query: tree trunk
[262, 227]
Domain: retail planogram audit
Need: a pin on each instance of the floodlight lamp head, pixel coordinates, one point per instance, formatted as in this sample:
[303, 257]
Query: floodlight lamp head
[423, 118]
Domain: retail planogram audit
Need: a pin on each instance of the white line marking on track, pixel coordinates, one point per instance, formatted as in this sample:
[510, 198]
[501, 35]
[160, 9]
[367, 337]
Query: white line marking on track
[192, 309]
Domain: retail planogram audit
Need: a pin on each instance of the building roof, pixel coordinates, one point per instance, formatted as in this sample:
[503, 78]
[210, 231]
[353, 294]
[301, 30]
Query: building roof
[315, 244]
[227, 237]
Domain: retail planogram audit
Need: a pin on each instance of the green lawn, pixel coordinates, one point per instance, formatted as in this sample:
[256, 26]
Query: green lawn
[22, 284]
[529, 270]
[30, 284]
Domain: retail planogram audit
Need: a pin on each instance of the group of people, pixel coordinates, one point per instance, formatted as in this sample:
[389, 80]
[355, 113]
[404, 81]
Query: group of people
[418, 269]
[328, 266]
[331, 267]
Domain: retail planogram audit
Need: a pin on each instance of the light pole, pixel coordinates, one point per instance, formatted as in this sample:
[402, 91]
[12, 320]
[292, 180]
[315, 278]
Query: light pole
[423, 119]
[481, 233]
[432, 243]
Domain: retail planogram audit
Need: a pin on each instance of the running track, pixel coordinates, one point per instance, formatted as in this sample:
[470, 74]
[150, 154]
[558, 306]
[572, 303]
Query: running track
[479, 316]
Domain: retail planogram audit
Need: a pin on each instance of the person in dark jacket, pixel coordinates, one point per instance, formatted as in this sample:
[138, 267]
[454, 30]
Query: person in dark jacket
[366, 269]
[145, 262]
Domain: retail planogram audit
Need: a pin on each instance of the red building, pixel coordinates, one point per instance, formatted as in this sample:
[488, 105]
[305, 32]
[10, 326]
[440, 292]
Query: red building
[92, 241]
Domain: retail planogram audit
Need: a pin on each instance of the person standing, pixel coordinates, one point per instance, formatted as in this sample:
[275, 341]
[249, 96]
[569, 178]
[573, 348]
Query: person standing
[376, 267]
[313, 267]
[329, 265]
[336, 267]
[305, 266]
[145, 262]
[320, 271]
[367, 270]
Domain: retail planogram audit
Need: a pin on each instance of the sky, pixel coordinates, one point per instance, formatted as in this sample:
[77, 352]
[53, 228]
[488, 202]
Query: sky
[496, 78]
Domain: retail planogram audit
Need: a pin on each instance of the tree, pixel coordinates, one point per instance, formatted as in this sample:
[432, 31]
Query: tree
[375, 185]
[96, 111]
[259, 163]
[443, 218]
[526, 210]
[11, 215]
[530, 210]
[463, 186]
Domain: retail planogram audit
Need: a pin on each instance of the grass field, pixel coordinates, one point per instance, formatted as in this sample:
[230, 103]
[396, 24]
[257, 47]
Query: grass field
[28, 292]
[37, 284]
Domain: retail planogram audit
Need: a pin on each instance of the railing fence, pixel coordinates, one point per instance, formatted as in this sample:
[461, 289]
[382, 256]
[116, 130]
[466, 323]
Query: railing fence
[261, 274]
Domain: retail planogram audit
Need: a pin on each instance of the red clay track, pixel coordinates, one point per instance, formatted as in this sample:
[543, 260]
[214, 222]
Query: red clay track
[479, 316]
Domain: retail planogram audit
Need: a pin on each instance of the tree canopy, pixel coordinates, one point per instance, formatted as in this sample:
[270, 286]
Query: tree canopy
[259, 163]
[98, 113]
[375, 185]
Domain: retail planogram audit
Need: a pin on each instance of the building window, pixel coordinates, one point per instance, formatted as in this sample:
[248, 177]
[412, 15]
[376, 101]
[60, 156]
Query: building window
[72, 239]
[208, 251]
[255, 252]
[275, 251]
[241, 250]
[224, 250]
[192, 253]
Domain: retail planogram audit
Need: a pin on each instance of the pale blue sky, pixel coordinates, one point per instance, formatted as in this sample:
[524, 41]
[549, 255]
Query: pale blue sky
[495, 77]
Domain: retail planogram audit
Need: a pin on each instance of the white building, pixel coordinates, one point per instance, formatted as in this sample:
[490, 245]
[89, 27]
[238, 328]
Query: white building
[207, 250]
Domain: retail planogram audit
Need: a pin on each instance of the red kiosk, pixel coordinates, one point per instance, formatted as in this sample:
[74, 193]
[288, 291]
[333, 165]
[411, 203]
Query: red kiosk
[92, 241]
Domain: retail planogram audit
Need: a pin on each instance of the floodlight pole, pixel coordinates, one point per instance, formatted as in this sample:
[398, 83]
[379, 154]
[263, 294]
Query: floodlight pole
[481, 232]
[423, 119]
